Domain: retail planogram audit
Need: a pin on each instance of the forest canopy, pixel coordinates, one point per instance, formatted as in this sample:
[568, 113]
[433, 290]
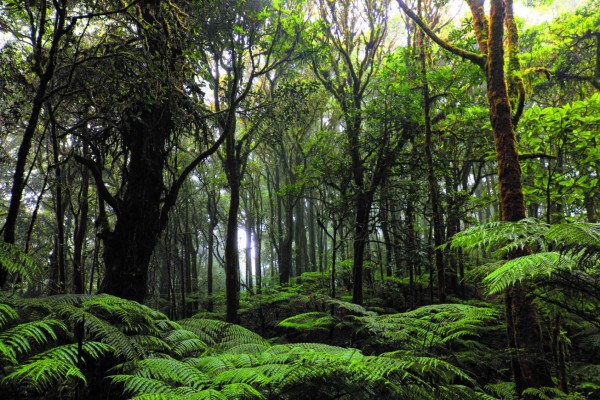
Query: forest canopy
[298, 199]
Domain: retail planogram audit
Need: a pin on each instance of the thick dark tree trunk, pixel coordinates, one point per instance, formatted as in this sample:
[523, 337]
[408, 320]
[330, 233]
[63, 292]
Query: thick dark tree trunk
[361, 238]
[128, 248]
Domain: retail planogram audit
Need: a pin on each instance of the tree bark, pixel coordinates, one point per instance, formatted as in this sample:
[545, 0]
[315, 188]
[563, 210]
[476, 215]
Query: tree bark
[45, 76]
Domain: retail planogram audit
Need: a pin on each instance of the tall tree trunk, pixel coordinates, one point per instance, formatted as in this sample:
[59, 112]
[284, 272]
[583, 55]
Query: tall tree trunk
[128, 248]
[58, 274]
[212, 224]
[312, 237]
[249, 229]
[529, 367]
[300, 238]
[232, 260]
[81, 232]
[436, 215]
[45, 74]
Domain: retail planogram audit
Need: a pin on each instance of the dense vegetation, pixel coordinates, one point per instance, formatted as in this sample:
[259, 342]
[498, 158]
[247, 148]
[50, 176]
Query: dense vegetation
[299, 199]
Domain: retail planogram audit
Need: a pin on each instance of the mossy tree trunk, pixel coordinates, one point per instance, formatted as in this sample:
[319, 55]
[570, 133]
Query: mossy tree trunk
[524, 332]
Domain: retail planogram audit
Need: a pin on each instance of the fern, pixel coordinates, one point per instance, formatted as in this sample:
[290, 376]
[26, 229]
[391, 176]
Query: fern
[18, 340]
[500, 238]
[19, 263]
[45, 374]
[430, 328]
[311, 321]
[220, 334]
[526, 267]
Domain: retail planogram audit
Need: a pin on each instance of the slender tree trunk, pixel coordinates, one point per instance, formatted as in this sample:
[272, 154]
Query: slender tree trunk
[249, 229]
[58, 277]
[433, 189]
[45, 76]
[312, 237]
[232, 260]
[80, 233]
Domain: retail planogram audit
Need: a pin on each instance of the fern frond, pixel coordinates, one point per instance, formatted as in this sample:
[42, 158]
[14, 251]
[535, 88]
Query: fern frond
[44, 374]
[69, 353]
[240, 391]
[525, 268]
[21, 337]
[351, 308]
[15, 261]
[310, 321]
[221, 334]
[138, 385]
[503, 237]
[171, 371]
[431, 326]
[576, 238]
[7, 315]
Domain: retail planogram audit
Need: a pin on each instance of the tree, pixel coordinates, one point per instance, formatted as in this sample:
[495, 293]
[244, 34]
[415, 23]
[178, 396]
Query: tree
[245, 41]
[522, 321]
[353, 34]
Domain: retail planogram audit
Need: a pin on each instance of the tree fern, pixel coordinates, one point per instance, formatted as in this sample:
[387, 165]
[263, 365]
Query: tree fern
[432, 327]
[221, 334]
[20, 340]
[19, 263]
[306, 322]
[526, 267]
[57, 366]
[500, 238]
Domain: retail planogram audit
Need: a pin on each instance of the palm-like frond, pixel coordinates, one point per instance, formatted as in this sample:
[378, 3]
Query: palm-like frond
[581, 239]
[525, 267]
[503, 237]
[221, 334]
[430, 327]
[19, 340]
[44, 374]
[310, 321]
[16, 261]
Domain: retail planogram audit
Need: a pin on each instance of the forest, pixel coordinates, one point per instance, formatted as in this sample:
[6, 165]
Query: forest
[300, 199]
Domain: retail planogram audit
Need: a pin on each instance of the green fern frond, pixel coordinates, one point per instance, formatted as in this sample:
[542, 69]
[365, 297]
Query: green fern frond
[21, 337]
[576, 238]
[310, 321]
[503, 237]
[164, 396]
[249, 348]
[503, 390]
[171, 371]
[138, 385]
[544, 393]
[69, 353]
[240, 391]
[431, 326]
[7, 315]
[525, 268]
[130, 316]
[44, 374]
[221, 334]
[151, 343]
[351, 308]
[18, 262]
